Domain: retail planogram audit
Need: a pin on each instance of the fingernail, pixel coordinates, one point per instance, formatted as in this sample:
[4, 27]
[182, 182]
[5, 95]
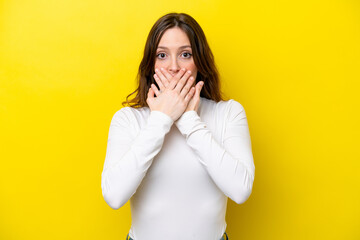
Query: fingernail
[156, 70]
[189, 71]
[183, 69]
[162, 69]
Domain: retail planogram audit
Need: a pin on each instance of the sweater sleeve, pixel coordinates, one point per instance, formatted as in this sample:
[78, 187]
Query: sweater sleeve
[229, 164]
[129, 154]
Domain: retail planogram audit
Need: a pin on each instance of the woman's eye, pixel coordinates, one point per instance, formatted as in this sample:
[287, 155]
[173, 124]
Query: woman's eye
[186, 55]
[161, 55]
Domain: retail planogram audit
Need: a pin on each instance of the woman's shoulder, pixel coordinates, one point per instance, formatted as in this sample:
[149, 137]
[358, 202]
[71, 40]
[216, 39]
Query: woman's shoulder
[224, 111]
[222, 106]
[234, 111]
[232, 104]
[131, 114]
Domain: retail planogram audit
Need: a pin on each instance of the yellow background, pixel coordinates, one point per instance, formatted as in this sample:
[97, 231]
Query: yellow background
[66, 66]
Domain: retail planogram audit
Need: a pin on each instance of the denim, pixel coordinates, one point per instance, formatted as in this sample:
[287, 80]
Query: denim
[222, 238]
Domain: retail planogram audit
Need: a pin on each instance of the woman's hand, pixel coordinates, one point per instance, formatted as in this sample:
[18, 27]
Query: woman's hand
[165, 78]
[195, 100]
[175, 93]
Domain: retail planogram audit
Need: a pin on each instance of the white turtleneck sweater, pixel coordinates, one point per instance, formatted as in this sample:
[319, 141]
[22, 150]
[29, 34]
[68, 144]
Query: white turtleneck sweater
[178, 175]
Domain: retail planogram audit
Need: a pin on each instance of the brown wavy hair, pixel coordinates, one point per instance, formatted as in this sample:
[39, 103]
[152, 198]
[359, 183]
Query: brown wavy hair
[203, 59]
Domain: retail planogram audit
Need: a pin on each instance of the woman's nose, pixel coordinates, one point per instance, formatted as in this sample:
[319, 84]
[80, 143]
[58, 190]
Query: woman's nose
[174, 66]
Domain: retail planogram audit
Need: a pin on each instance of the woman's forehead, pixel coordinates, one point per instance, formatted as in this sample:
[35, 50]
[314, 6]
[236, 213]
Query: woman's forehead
[174, 37]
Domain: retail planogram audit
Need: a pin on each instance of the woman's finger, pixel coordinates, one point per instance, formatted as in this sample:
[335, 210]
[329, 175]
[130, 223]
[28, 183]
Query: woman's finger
[166, 74]
[150, 97]
[180, 84]
[176, 78]
[159, 82]
[150, 93]
[162, 77]
[187, 86]
[154, 88]
[200, 86]
[189, 95]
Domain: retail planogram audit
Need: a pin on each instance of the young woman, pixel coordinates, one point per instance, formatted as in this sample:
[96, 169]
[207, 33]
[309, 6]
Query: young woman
[178, 151]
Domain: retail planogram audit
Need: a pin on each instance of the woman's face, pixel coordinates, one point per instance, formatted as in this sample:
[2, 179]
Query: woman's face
[174, 52]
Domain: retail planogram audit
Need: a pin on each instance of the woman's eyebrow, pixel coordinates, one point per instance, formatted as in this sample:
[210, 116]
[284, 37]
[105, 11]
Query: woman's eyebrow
[185, 46]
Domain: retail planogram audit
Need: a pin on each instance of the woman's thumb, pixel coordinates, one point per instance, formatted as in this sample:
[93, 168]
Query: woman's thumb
[201, 84]
[150, 96]
[150, 93]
